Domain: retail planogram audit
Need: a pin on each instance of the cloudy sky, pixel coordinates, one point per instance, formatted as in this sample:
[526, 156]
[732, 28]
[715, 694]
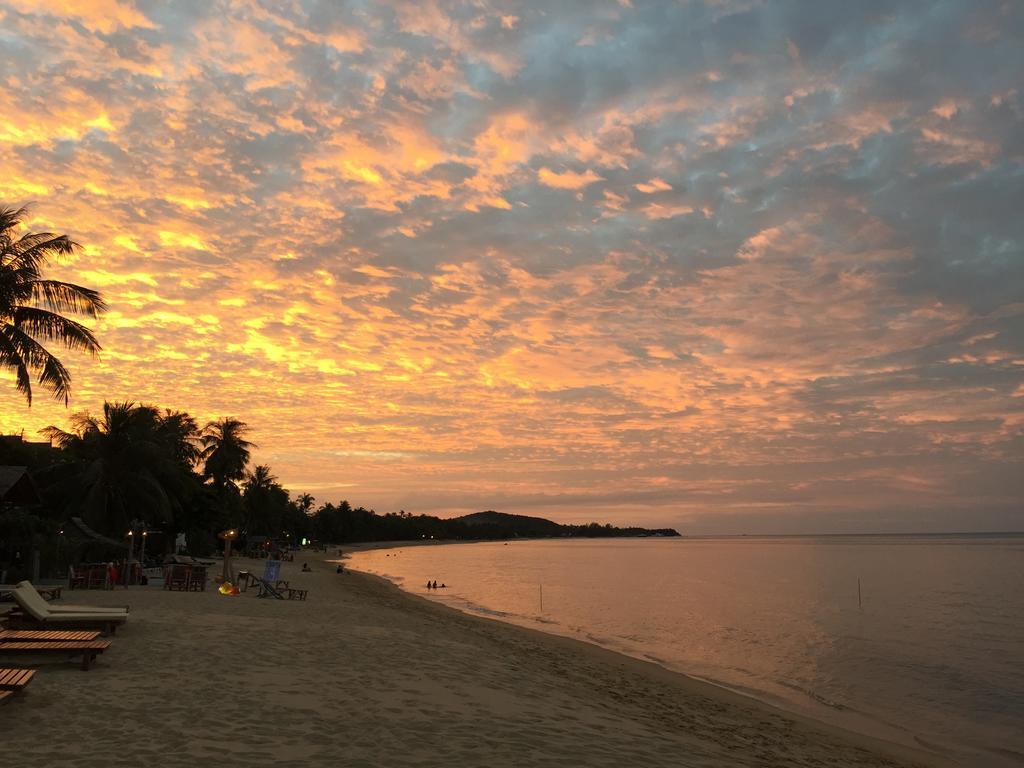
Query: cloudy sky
[728, 266]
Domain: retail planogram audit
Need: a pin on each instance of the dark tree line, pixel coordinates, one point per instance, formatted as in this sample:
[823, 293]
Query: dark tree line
[139, 467]
[342, 523]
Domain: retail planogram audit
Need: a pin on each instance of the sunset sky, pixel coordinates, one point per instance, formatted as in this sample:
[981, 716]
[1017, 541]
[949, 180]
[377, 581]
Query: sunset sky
[726, 266]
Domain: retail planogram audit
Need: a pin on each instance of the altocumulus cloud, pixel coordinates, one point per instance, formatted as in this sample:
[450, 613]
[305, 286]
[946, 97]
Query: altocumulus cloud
[722, 265]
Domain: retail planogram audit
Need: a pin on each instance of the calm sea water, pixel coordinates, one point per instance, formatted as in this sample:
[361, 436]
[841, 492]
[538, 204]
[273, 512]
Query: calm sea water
[933, 654]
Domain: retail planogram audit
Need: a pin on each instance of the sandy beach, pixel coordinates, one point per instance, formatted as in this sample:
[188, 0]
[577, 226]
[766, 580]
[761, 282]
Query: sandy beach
[364, 675]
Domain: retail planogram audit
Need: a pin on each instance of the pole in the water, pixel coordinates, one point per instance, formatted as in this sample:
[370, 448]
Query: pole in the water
[541, 597]
[859, 603]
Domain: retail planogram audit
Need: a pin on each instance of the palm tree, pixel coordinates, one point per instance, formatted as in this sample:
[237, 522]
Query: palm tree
[225, 452]
[30, 307]
[264, 500]
[260, 479]
[305, 503]
[181, 433]
[119, 467]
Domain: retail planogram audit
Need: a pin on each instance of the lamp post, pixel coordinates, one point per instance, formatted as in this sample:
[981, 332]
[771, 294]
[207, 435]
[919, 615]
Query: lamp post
[228, 536]
[128, 560]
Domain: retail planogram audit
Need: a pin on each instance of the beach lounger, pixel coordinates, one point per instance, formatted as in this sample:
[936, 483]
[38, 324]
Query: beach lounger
[28, 590]
[47, 593]
[12, 681]
[15, 679]
[72, 648]
[35, 614]
[42, 636]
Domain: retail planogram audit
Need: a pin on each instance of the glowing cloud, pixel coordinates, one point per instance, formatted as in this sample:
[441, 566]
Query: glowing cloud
[720, 265]
[567, 179]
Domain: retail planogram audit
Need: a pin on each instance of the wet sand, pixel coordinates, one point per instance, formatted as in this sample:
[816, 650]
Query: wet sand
[362, 674]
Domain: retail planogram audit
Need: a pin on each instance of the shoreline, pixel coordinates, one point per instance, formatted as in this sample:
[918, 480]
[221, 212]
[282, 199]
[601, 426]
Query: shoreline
[365, 674]
[690, 683]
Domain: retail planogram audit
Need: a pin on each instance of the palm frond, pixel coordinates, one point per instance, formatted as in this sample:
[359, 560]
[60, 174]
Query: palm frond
[59, 436]
[57, 379]
[35, 249]
[11, 217]
[52, 373]
[68, 297]
[54, 327]
[12, 359]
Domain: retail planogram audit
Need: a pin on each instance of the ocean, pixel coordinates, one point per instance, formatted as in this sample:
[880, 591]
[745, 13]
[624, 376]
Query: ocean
[916, 639]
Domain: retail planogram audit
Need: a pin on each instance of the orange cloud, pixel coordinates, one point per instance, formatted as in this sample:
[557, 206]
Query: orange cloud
[567, 179]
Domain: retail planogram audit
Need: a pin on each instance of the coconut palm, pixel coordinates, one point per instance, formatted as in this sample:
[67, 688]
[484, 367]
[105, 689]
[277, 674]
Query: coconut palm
[305, 503]
[30, 308]
[181, 433]
[264, 501]
[118, 467]
[225, 452]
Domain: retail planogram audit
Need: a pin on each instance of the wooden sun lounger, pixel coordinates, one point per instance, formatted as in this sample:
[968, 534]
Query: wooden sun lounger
[107, 625]
[33, 594]
[45, 636]
[15, 679]
[87, 650]
[35, 613]
[47, 593]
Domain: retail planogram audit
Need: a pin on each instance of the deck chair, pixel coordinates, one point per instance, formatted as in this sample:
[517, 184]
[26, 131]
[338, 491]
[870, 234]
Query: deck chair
[266, 589]
[36, 614]
[70, 648]
[29, 592]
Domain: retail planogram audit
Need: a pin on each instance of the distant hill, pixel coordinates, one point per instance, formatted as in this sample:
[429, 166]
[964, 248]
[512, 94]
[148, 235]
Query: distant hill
[517, 525]
[342, 523]
[500, 525]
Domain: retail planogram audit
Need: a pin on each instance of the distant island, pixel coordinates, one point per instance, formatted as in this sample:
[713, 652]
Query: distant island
[342, 523]
[499, 525]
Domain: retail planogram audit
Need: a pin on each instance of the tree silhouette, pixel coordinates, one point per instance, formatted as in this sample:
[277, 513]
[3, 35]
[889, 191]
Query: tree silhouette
[305, 503]
[121, 466]
[30, 308]
[265, 502]
[225, 452]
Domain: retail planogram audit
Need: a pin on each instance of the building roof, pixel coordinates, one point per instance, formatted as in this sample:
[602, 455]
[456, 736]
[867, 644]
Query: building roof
[17, 486]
